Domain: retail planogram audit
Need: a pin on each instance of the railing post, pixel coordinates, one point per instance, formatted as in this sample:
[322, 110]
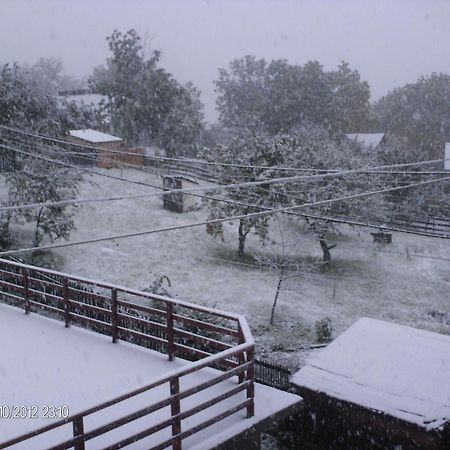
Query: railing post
[170, 331]
[251, 386]
[241, 358]
[26, 294]
[66, 301]
[78, 430]
[175, 411]
[114, 330]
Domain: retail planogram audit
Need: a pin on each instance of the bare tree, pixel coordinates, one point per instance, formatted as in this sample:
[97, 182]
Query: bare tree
[285, 264]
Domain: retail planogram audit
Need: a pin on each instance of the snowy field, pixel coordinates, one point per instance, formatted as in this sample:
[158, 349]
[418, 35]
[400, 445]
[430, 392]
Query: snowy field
[404, 282]
[43, 363]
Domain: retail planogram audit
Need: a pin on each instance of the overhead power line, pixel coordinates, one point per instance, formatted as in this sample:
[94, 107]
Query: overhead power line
[350, 221]
[233, 185]
[152, 194]
[213, 163]
[220, 220]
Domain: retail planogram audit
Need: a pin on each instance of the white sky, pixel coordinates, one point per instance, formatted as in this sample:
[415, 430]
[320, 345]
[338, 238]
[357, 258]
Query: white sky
[391, 42]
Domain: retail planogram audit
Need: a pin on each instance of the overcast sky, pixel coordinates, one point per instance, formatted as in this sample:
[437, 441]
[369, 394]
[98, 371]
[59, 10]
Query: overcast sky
[391, 42]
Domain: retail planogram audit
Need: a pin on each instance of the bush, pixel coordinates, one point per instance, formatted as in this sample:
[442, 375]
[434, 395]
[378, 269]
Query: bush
[324, 330]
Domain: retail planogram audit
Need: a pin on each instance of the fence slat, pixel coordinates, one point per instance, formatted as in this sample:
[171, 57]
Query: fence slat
[66, 302]
[170, 332]
[114, 329]
[78, 430]
[26, 294]
[175, 409]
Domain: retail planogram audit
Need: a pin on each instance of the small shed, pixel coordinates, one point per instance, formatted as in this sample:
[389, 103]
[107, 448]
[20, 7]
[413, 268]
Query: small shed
[383, 383]
[368, 141]
[178, 201]
[107, 144]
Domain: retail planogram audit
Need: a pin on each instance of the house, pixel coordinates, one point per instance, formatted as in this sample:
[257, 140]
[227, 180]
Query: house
[368, 141]
[178, 202]
[107, 145]
[81, 97]
[380, 385]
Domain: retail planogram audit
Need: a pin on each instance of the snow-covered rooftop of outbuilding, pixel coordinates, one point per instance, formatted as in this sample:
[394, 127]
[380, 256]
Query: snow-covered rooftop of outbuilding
[93, 136]
[368, 140]
[44, 363]
[399, 370]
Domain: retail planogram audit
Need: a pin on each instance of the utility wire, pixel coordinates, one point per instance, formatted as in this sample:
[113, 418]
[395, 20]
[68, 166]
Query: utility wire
[96, 200]
[161, 158]
[348, 221]
[221, 220]
[234, 185]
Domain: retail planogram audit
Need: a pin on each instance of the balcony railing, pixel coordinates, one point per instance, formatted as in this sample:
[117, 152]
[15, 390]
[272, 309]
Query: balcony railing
[203, 336]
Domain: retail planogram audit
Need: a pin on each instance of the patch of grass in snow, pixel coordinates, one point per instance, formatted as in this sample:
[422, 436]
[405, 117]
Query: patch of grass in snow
[224, 255]
[346, 267]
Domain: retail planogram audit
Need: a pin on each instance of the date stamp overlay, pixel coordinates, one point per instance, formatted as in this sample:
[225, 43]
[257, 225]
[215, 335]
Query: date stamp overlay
[34, 412]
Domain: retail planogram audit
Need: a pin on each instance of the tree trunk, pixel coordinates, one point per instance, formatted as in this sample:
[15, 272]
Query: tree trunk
[277, 293]
[242, 237]
[326, 249]
[37, 238]
[5, 236]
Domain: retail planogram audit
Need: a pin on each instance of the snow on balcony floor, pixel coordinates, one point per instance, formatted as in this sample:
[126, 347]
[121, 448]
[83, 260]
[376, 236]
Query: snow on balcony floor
[43, 363]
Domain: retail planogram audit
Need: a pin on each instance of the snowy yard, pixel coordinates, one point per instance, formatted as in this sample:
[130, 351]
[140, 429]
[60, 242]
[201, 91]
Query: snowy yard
[404, 282]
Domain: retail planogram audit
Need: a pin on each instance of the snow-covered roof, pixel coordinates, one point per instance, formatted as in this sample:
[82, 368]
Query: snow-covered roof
[399, 370]
[93, 136]
[367, 140]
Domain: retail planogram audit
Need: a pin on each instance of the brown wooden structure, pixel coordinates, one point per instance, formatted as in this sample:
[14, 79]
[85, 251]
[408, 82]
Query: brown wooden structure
[207, 337]
[111, 151]
[330, 423]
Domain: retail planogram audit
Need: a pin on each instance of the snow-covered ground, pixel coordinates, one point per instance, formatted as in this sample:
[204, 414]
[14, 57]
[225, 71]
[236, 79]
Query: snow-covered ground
[44, 364]
[397, 282]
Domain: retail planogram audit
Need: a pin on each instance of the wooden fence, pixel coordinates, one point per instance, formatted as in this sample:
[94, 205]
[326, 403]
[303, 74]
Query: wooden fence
[207, 337]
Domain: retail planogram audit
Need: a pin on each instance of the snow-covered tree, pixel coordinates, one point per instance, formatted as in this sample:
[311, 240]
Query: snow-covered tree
[276, 97]
[305, 148]
[244, 150]
[145, 103]
[25, 102]
[350, 100]
[25, 105]
[38, 181]
[50, 78]
[420, 113]
[22, 103]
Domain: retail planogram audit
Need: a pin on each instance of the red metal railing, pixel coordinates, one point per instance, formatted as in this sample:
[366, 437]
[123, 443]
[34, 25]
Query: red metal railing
[207, 337]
